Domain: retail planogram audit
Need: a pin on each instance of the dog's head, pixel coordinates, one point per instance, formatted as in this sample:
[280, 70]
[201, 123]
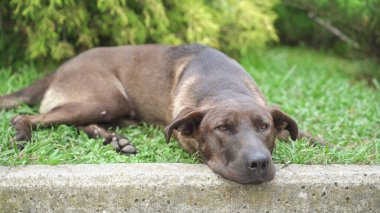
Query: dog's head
[235, 140]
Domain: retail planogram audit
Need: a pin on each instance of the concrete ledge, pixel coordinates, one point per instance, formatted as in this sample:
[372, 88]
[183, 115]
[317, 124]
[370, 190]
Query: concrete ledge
[186, 188]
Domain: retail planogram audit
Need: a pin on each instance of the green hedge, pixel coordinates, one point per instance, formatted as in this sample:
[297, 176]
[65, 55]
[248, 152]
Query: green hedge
[58, 29]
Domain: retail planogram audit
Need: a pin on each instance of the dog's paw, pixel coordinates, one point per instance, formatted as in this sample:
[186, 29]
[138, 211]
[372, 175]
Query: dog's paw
[123, 145]
[19, 141]
[23, 131]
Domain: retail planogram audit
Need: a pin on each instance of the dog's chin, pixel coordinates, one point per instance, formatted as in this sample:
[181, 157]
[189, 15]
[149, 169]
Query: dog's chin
[242, 176]
[247, 179]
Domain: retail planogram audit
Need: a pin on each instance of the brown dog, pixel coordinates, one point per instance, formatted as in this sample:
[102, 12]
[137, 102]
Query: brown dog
[212, 104]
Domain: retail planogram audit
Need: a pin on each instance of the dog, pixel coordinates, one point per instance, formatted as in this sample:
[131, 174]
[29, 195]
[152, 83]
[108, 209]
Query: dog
[205, 99]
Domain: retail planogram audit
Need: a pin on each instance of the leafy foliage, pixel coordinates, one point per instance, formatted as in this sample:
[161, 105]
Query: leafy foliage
[58, 29]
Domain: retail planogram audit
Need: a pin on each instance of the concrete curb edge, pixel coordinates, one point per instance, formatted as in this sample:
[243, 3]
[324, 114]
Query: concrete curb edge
[186, 188]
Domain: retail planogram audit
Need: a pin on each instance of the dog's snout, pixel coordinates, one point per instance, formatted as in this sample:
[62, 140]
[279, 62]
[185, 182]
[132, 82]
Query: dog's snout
[258, 162]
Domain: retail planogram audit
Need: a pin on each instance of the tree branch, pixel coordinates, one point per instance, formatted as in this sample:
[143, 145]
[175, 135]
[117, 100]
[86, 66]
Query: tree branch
[329, 27]
[324, 23]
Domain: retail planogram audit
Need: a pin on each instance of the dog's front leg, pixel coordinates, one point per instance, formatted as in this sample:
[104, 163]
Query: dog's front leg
[313, 140]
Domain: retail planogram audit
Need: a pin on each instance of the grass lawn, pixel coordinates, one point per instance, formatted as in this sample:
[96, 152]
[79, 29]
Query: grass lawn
[320, 91]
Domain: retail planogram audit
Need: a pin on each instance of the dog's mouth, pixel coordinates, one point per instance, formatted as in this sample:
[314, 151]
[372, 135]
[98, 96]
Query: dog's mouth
[241, 174]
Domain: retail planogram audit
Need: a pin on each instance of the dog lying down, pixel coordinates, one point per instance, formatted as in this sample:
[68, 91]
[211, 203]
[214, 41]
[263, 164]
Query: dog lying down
[205, 99]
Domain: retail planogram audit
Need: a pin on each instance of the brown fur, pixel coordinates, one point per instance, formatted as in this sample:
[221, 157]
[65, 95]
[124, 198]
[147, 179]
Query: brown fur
[206, 98]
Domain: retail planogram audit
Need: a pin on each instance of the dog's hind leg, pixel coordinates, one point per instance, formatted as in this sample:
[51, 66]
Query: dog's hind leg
[120, 143]
[73, 113]
[30, 95]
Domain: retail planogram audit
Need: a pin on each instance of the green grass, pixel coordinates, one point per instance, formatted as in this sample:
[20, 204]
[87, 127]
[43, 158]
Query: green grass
[320, 91]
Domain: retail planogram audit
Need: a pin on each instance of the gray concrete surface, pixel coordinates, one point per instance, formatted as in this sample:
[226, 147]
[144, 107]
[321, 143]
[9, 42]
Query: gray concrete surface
[186, 188]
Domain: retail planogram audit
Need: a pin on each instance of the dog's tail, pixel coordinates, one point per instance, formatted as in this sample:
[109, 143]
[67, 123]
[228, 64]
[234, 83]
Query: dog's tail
[30, 95]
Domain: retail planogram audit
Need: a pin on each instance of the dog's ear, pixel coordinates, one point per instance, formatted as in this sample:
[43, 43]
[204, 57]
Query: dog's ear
[186, 122]
[283, 121]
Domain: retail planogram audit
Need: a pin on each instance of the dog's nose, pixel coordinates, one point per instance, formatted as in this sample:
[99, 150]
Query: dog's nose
[258, 162]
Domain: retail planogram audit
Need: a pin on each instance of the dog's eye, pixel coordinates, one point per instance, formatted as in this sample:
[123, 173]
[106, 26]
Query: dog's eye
[222, 128]
[264, 126]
